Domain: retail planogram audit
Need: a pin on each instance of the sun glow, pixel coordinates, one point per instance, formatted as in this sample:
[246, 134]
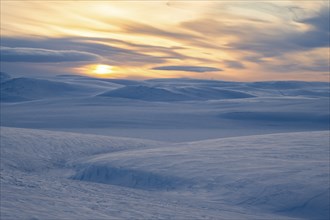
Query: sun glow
[117, 39]
[98, 71]
[102, 69]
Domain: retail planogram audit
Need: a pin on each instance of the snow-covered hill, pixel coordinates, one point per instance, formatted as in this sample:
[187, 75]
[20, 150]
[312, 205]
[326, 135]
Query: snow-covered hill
[180, 121]
[228, 150]
[4, 77]
[60, 175]
[184, 93]
[145, 93]
[161, 90]
[29, 89]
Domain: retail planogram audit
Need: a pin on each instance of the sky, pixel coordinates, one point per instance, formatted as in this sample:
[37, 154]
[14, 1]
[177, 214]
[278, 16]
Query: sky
[225, 40]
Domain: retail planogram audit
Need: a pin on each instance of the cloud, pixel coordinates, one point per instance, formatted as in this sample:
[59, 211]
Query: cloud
[144, 29]
[317, 65]
[199, 69]
[280, 41]
[234, 64]
[38, 55]
[263, 36]
[113, 51]
[319, 34]
[320, 21]
[278, 34]
[184, 36]
[311, 39]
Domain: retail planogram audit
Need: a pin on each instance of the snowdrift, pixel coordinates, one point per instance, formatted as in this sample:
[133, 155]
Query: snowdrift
[211, 93]
[145, 93]
[285, 117]
[284, 85]
[161, 90]
[28, 88]
[148, 93]
[32, 150]
[62, 175]
[276, 176]
[4, 77]
[21, 89]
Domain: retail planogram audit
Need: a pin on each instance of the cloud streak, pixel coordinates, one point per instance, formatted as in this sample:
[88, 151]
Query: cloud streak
[38, 55]
[234, 64]
[252, 41]
[198, 69]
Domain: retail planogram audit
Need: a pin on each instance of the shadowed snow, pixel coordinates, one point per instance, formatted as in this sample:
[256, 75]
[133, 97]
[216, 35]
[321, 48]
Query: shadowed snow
[257, 177]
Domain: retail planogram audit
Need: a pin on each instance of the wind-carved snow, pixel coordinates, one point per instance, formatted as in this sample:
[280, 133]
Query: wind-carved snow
[103, 173]
[23, 88]
[148, 93]
[269, 158]
[277, 176]
[4, 77]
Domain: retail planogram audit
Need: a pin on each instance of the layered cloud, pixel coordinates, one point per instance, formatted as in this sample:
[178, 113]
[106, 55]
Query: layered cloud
[234, 64]
[198, 69]
[247, 40]
[112, 51]
[38, 55]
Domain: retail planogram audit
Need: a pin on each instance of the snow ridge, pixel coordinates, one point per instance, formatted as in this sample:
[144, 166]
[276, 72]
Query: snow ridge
[277, 176]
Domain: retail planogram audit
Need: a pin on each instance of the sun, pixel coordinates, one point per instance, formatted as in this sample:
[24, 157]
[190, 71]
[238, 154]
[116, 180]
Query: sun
[99, 70]
[102, 69]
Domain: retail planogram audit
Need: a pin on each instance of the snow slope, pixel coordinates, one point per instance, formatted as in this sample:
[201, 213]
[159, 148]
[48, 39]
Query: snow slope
[146, 93]
[185, 93]
[180, 121]
[28, 88]
[4, 77]
[184, 109]
[64, 175]
[23, 88]
[255, 150]
[163, 90]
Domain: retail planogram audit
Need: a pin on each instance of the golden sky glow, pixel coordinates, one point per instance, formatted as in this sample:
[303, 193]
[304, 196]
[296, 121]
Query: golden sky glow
[103, 69]
[229, 40]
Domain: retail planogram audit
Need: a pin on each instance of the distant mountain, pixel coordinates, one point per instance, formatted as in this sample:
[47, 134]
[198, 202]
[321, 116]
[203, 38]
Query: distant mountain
[159, 90]
[145, 93]
[287, 84]
[19, 89]
[210, 93]
[149, 93]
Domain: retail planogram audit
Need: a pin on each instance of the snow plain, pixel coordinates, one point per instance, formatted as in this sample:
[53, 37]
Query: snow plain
[74, 147]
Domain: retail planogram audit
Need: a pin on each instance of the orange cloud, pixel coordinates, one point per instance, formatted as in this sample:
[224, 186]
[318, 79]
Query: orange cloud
[247, 41]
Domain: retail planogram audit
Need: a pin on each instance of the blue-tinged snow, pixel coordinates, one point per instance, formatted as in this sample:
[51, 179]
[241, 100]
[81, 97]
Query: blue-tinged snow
[4, 77]
[65, 175]
[76, 147]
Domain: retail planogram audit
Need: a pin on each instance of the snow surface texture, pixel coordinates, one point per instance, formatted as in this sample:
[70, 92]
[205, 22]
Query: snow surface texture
[58, 175]
[268, 159]
[183, 109]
